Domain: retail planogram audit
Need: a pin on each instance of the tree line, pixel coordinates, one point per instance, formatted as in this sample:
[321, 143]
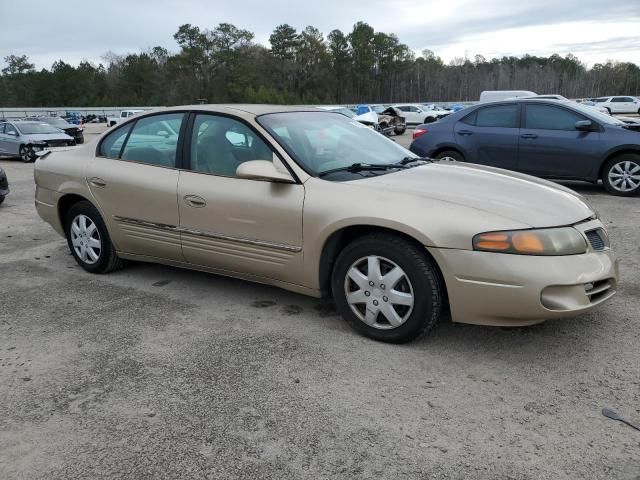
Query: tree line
[225, 64]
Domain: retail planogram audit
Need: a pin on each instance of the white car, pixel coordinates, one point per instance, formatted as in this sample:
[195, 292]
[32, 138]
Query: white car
[598, 107]
[417, 115]
[124, 114]
[619, 104]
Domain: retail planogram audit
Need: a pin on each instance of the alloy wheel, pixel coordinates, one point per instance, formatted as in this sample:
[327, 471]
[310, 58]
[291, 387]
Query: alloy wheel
[85, 239]
[625, 176]
[379, 292]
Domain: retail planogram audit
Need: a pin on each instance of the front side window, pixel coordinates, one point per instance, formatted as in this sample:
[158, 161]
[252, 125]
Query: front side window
[154, 140]
[9, 129]
[220, 144]
[112, 143]
[546, 117]
[322, 141]
[505, 116]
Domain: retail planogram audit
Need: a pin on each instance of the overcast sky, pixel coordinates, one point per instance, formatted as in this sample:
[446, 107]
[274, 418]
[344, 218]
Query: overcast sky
[593, 30]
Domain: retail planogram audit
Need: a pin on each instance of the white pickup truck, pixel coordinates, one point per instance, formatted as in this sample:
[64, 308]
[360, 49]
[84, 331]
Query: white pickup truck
[124, 114]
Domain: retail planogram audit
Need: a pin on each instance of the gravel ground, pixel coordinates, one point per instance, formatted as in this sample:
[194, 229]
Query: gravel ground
[156, 372]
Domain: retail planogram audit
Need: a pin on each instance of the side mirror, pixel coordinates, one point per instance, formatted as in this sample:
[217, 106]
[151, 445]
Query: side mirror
[584, 125]
[13, 134]
[163, 133]
[262, 170]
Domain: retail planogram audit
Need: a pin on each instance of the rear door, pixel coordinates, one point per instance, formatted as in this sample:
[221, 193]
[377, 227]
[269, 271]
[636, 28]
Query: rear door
[134, 180]
[489, 135]
[550, 145]
[234, 224]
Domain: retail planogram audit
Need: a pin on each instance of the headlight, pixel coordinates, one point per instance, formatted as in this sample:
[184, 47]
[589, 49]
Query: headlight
[547, 241]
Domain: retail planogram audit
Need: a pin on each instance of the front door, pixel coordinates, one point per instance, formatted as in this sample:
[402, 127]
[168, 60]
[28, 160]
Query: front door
[134, 181]
[550, 145]
[489, 136]
[233, 224]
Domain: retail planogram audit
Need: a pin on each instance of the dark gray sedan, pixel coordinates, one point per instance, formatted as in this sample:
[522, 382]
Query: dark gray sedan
[545, 138]
[24, 138]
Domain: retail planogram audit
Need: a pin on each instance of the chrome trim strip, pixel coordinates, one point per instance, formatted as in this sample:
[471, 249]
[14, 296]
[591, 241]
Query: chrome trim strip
[217, 236]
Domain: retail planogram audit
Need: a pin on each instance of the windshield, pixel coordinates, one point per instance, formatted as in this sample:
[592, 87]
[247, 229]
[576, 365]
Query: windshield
[36, 128]
[56, 122]
[597, 114]
[322, 141]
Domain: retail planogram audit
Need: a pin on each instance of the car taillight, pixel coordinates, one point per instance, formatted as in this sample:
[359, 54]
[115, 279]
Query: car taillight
[418, 132]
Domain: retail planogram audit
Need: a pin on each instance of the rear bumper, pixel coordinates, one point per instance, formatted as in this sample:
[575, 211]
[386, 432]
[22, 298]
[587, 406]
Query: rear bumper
[46, 202]
[517, 290]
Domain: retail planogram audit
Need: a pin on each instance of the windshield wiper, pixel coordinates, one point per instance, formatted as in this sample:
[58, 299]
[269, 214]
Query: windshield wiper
[360, 167]
[407, 160]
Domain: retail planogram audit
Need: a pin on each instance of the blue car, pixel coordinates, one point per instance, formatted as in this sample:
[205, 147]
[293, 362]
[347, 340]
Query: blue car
[546, 138]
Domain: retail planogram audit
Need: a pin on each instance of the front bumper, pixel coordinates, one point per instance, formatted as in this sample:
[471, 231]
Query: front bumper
[516, 290]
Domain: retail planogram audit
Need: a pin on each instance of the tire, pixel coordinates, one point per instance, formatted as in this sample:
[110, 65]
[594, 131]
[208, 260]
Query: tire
[1, 199]
[450, 155]
[608, 110]
[429, 120]
[621, 175]
[400, 130]
[421, 284]
[111, 124]
[104, 258]
[25, 154]
[79, 141]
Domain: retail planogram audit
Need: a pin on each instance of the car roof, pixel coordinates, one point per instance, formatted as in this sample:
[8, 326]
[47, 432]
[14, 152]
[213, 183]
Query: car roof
[252, 109]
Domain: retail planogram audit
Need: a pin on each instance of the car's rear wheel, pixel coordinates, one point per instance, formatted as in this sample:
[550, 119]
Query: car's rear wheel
[450, 156]
[387, 288]
[26, 153]
[89, 240]
[621, 175]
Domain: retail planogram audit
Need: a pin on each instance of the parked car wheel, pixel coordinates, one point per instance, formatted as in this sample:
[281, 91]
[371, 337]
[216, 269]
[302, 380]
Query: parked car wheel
[387, 288]
[608, 110]
[89, 240]
[400, 130]
[621, 175]
[429, 120]
[79, 141]
[451, 156]
[1, 199]
[26, 153]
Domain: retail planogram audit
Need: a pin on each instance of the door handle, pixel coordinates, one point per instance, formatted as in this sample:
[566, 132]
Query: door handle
[194, 201]
[465, 132]
[530, 136]
[97, 182]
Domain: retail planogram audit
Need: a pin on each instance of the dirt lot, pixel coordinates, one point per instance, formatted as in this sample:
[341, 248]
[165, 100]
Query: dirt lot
[156, 372]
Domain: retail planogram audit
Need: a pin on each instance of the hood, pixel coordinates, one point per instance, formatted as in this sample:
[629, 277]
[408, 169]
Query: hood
[42, 137]
[522, 198]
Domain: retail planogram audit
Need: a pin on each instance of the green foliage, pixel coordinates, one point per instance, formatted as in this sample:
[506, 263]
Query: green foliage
[225, 65]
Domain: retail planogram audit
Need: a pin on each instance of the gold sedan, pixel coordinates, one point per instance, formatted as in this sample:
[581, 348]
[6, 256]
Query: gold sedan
[316, 203]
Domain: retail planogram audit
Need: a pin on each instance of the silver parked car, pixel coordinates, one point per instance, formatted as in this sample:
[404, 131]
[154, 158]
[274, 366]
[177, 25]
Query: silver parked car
[24, 138]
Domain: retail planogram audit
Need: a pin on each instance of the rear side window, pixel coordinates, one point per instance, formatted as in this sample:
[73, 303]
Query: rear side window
[112, 143]
[505, 116]
[154, 140]
[546, 117]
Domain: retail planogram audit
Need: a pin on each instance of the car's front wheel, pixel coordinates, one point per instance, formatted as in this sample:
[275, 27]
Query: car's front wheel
[26, 153]
[400, 130]
[621, 175]
[89, 240]
[429, 120]
[387, 288]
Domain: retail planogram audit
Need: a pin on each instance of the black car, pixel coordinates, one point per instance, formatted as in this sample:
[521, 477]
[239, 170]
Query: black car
[4, 185]
[546, 138]
[70, 129]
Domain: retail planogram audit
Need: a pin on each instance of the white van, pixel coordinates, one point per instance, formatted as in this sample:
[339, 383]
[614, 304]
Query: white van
[497, 95]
